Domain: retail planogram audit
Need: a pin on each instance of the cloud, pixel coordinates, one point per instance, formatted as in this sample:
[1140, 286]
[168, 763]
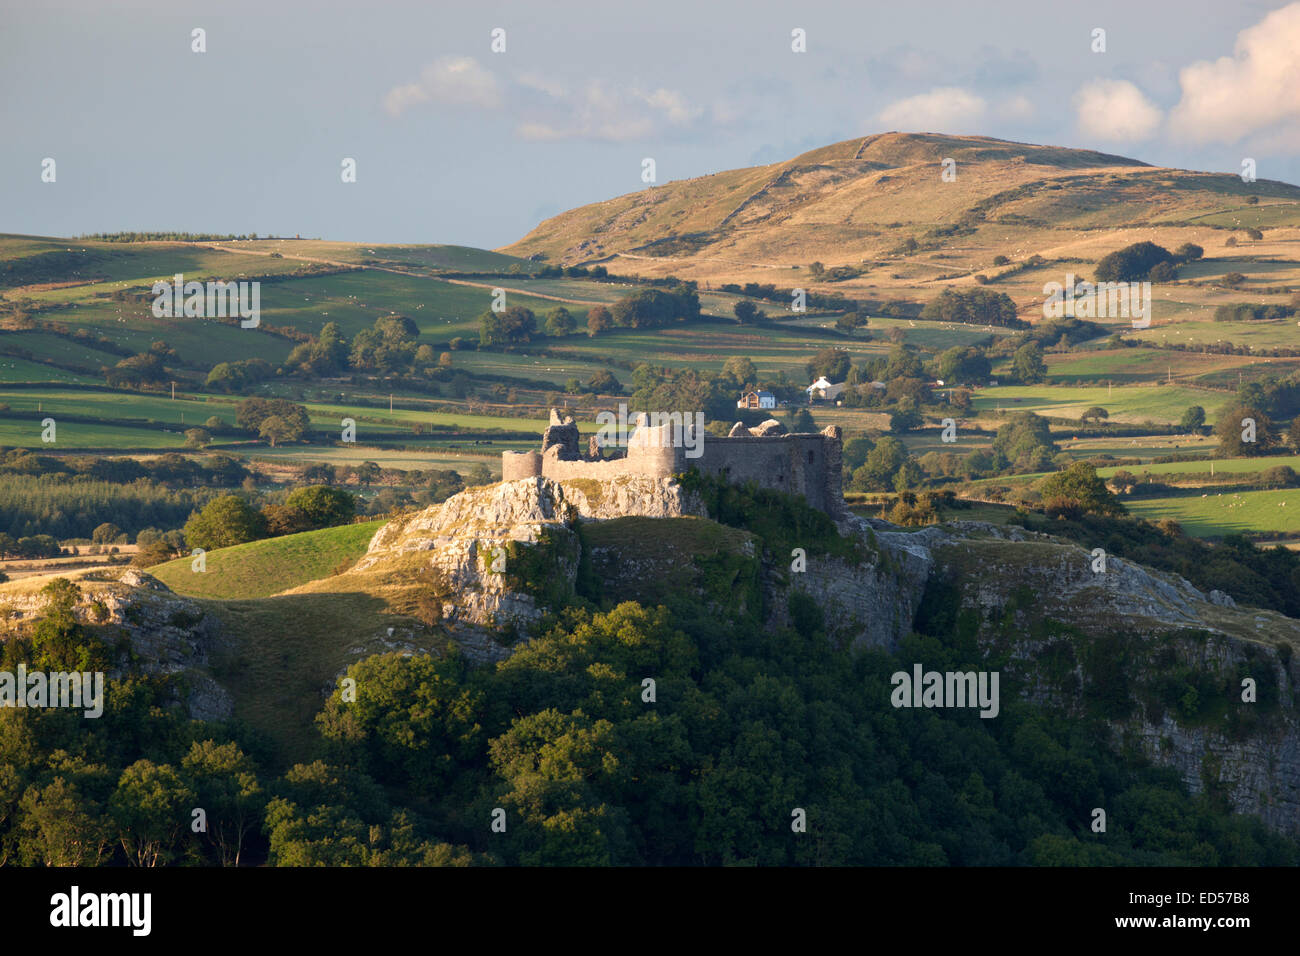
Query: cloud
[1254, 91]
[601, 111]
[1115, 111]
[451, 80]
[947, 109]
[546, 109]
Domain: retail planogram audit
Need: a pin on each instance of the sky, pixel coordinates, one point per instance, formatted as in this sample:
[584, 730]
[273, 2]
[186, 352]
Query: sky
[457, 142]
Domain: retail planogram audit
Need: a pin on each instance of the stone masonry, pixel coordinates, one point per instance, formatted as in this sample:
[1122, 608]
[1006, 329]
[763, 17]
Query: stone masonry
[806, 464]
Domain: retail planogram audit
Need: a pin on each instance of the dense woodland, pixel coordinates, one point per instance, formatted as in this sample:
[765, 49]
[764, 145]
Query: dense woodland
[747, 724]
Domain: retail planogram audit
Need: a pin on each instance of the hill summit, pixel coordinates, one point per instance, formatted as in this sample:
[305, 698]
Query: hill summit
[854, 200]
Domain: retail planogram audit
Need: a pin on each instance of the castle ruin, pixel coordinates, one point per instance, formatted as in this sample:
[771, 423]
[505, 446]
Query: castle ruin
[806, 464]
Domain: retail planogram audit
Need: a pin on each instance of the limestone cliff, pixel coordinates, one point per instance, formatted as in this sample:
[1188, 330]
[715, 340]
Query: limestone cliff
[167, 634]
[1034, 601]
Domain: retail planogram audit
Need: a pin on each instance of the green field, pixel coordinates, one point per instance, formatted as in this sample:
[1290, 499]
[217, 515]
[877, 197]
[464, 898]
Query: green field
[262, 568]
[1133, 365]
[140, 419]
[435, 458]
[1270, 333]
[928, 335]
[1214, 514]
[21, 370]
[431, 257]
[1224, 466]
[772, 348]
[1163, 404]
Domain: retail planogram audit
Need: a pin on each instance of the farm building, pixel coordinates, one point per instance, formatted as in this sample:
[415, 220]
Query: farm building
[757, 400]
[823, 390]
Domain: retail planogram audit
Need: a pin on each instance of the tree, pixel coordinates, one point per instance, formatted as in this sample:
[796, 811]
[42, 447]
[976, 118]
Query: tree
[855, 452]
[197, 438]
[60, 826]
[959, 364]
[800, 420]
[1193, 420]
[1162, 272]
[740, 371]
[105, 533]
[145, 368]
[224, 521]
[150, 806]
[882, 463]
[905, 417]
[225, 784]
[1027, 364]
[1189, 252]
[367, 473]
[412, 723]
[1132, 263]
[214, 422]
[598, 320]
[978, 306]
[327, 354]
[603, 382]
[276, 429]
[1076, 491]
[816, 269]
[1253, 233]
[283, 519]
[1024, 440]
[1235, 425]
[831, 363]
[651, 308]
[251, 412]
[560, 321]
[324, 507]
[1095, 413]
[746, 312]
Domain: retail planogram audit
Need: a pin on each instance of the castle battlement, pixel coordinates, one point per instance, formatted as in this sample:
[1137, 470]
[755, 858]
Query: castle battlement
[806, 464]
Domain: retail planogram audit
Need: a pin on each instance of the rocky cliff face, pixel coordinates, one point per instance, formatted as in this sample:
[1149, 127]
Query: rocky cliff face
[168, 634]
[1029, 597]
[1160, 661]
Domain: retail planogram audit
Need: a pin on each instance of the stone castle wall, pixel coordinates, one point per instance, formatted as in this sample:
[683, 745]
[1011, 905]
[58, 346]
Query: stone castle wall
[800, 464]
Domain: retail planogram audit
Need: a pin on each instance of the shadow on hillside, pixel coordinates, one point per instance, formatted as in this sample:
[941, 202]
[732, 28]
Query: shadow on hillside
[282, 656]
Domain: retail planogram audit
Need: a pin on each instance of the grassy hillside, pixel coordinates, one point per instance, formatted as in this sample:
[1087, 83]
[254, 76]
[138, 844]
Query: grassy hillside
[266, 567]
[855, 203]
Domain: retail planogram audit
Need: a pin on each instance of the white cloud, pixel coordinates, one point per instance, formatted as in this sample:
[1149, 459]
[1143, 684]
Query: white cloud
[601, 111]
[543, 84]
[452, 80]
[547, 109]
[1115, 111]
[1254, 91]
[947, 109]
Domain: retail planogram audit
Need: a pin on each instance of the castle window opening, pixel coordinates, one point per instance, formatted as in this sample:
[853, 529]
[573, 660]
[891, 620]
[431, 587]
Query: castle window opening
[810, 458]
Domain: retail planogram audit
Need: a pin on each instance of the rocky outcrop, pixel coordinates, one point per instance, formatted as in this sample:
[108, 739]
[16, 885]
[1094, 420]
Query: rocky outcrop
[168, 634]
[466, 539]
[1030, 593]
